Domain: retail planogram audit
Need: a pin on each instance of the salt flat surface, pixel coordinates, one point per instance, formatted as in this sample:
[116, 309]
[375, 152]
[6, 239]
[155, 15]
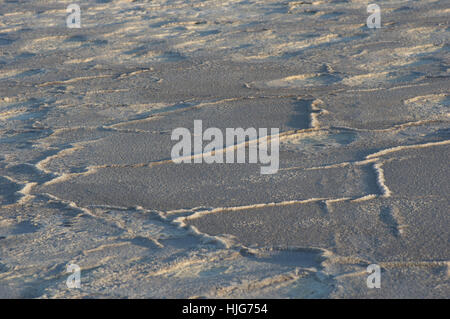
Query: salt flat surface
[86, 178]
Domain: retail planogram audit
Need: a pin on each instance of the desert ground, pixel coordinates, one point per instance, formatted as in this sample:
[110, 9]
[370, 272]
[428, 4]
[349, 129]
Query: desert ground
[86, 175]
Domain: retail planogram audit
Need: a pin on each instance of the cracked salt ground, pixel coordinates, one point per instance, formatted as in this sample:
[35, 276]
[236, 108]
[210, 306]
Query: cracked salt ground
[85, 172]
[141, 254]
